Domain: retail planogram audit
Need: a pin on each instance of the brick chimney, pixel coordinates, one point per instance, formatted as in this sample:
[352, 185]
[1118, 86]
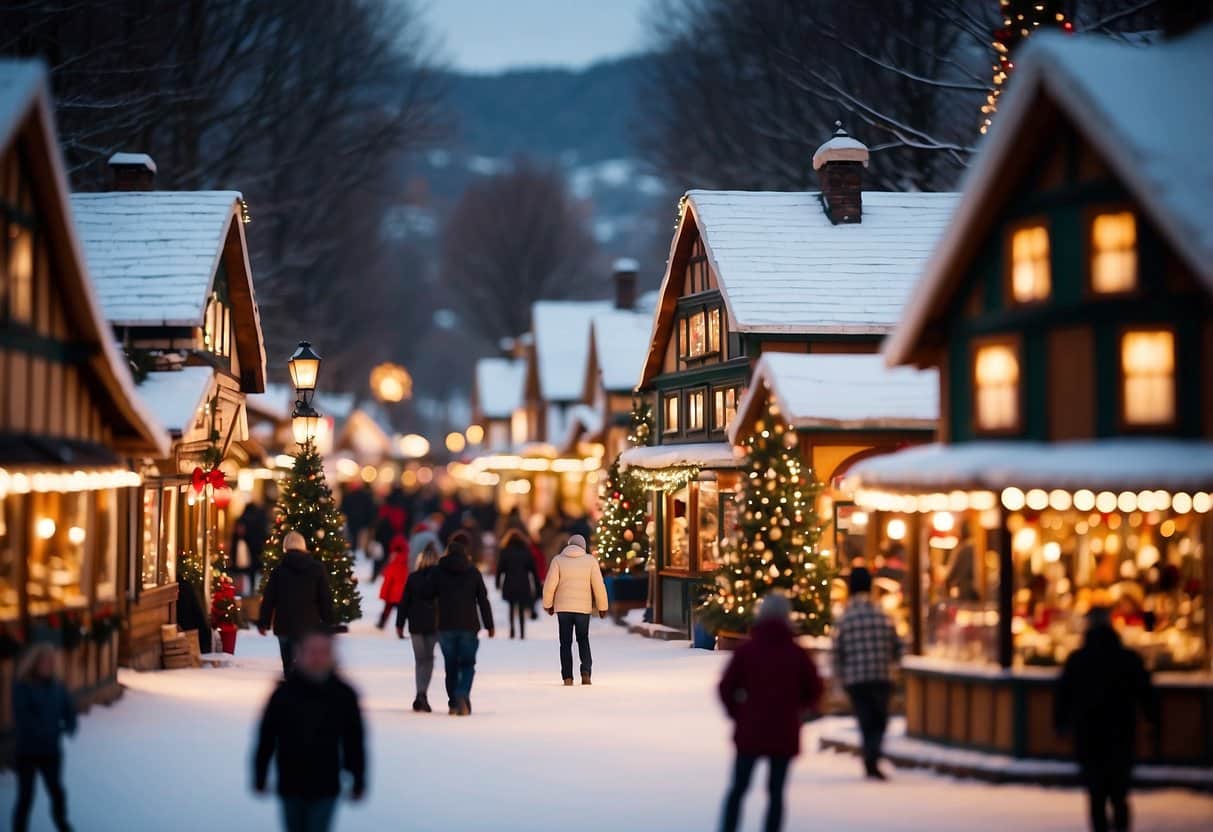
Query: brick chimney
[132, 172]
[625, 270]
[839, 164]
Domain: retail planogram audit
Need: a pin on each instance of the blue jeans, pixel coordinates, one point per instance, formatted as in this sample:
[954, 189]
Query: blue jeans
[459, 654]
[306, 814]
[570, 622]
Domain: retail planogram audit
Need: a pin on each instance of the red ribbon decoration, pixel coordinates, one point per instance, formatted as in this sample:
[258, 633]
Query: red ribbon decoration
[216, 479]
[199, 480]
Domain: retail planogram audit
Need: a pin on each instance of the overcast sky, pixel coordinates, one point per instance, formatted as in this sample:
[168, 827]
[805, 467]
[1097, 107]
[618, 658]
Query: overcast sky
[490, 35]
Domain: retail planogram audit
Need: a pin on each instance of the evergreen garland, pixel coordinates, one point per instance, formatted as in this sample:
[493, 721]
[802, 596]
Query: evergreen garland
[305, 505]
[777, 540]
[619, 537]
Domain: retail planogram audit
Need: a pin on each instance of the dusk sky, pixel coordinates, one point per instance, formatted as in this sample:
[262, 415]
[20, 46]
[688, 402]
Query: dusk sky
[491, 35]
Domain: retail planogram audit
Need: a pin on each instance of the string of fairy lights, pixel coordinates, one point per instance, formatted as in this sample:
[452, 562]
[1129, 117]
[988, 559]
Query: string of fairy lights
[1020, 20]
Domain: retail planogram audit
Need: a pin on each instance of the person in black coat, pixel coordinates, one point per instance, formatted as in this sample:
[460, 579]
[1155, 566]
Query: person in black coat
[43, 711]
[517, 579]
[358, 506]
[458, 588]
[296, 598]
[421, 616]
[313, 725]
[1097, 699]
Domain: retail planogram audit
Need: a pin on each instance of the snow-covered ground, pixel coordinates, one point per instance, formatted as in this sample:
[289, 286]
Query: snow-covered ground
[645, 747]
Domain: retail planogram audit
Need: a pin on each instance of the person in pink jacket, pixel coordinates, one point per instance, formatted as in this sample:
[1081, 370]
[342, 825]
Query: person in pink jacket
[573, 590]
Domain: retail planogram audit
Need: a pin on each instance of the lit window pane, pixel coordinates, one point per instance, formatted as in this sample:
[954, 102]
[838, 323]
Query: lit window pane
[695, 408]
[996, 372]
[1114, 252]
[21, 274]
[1030, 264]
[671, 414]
[714, 331]
[698, 334]
[1148, 366]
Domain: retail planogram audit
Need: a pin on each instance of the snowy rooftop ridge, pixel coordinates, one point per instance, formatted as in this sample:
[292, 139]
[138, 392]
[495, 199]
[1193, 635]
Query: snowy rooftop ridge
[849, 392]
[499, 386]
[562, 343]
[136, 159]
[784, 267]
[621, 342]
[154, 254]
[174, 396]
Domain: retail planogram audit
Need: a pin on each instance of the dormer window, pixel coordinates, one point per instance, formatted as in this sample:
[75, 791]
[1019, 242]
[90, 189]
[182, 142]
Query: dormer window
[700, 334]
[1114, 252]
[1147, 363]
[217, 329]
[1030, 278]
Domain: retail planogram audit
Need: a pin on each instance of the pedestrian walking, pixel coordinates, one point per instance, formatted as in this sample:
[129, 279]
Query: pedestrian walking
[248, 544]
[541, 569]
[463, 605]
[43, 712]
[421, 617]
[573, 590]
[358, 507]
[313, 726]
[517, 579]
[296, 598]
[423, 535]
[395, 577]
[1101, 689]
[768, 688]
[866, 647]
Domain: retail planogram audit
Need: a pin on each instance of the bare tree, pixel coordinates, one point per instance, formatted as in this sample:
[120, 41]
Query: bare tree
[512, 239]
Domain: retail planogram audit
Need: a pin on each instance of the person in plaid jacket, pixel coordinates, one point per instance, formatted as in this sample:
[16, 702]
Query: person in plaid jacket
[866, 647]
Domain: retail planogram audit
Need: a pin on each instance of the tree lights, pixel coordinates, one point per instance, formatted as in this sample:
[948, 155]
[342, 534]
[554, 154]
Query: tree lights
[620, 537]
[1020, 19]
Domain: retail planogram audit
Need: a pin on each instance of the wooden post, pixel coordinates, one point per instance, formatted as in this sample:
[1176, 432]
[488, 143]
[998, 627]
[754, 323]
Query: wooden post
[914, 566]
[1006, 592]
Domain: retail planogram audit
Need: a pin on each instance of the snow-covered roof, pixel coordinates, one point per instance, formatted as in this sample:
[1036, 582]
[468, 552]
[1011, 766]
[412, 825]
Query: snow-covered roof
[841, 147]
[137, 159]
[175, 396]
[1146, 109]
[847, 392]
[562, 341]
[499, 386]
[625, 264]
[1105, 464]
[621, 341]
[583, 422]
[695, 454]
[25, 98]
[784, 267]
[153, 254]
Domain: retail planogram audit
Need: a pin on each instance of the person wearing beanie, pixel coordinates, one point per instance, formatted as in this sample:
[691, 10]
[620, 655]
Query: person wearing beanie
[572, 591]
[296, 599]
[866, 647]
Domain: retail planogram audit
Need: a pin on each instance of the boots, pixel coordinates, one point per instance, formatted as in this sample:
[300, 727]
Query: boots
[585, 679]
[568, 683]
[422, 704]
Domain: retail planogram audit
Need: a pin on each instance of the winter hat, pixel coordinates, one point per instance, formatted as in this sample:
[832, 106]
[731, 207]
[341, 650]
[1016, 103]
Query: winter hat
[775, 606]
[860, 581]
[399, 544]
[578, 541]
[294, 542]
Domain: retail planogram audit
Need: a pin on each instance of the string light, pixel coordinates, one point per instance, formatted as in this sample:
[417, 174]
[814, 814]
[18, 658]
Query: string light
[1020, 19]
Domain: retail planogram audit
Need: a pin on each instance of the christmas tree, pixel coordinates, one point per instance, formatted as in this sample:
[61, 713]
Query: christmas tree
[777, 540]
[1020, 20]
[619, 538]
[305, 505]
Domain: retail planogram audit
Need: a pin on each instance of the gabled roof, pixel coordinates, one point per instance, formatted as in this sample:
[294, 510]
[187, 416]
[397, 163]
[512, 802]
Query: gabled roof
[562, 342]
[26, 117]
[499, 387]
[620, 343]
[176, 395]
[155, 254]
[841, 392]
[1146, 109]
[783, 267]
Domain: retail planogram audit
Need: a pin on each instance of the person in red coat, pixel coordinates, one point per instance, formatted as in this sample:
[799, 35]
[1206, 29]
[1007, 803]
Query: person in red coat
[541, 569]
[768, 687]
[395, 576]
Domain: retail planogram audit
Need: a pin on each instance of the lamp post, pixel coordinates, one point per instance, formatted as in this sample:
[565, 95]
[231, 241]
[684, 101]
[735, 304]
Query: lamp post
[304, 365]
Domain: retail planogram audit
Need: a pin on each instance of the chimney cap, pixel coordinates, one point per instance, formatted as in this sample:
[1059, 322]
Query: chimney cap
[841, 147]
[625, 264]
[135, 160]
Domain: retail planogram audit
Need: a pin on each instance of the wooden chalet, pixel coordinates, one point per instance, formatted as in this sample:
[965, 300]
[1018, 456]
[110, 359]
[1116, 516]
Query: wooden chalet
[1069, 312]
[173, 276]
[72, 427]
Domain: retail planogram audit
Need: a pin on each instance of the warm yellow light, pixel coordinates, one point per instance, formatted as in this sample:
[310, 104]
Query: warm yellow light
[518, 486]
[1030, 279]
[943, 521]
[391, 383]
[1147, 360]
[1052, 551]
[45, 528]
[1181, 503]
[859, 519]
[1202, 503]
[1060, 500]
[413, 446]
[996, 370]
[1114, 252]
[347, 468]
[369, 473]
[1126, 501]
[75, 535]
[896, 529]
[1037, 499]
[1013, 499]
[1105, 502]
[475, 434]
[1024, 539]
[455, 443]
[1084, 500]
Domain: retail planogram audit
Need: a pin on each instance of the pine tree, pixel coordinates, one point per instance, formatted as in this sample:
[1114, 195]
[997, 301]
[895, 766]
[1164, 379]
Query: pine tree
[777, 539]
[620, 537]
[305, 505]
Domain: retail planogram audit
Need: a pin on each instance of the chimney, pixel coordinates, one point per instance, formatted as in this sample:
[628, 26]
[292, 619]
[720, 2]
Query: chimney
[132, 172]
[625, 270]
[839, 164]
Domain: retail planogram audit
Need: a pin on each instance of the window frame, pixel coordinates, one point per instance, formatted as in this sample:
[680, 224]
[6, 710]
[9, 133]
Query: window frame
[723, 390]
[666, 428]
[1015, 342]
[1008, 264]
[1122, 417]
[1088, 250]
[703, 410]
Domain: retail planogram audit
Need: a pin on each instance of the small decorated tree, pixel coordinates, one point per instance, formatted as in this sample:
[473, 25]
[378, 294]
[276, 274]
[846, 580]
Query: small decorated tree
[777, 540]
[1020, 20]
[619, 538]
[305, 505]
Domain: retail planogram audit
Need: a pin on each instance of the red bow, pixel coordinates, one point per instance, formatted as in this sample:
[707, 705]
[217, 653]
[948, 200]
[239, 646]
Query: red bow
[201, 479]
[216, 479]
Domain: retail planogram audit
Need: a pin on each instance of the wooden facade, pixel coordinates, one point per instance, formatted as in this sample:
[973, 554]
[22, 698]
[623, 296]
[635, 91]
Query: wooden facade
[72, 431]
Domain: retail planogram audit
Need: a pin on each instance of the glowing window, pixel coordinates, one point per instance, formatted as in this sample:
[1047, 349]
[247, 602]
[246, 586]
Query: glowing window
[20, 274]
[1030, 264]
[724, 407]
[714, 330]
[1114, 252]
[698, 345]
[1147, 360]
[696, 403]
[996, 374]
[671, 413]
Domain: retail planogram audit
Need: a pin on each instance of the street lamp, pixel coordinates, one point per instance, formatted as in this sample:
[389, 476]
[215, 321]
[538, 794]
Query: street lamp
[304, 365]
[305, 422]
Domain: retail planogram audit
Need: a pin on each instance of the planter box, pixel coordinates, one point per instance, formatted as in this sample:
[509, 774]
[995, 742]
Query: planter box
[729, 641]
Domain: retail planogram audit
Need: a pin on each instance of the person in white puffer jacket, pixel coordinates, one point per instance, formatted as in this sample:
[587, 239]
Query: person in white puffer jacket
[574, 589]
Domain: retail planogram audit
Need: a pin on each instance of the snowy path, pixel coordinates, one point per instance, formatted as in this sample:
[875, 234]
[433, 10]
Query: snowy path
[645, 748]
